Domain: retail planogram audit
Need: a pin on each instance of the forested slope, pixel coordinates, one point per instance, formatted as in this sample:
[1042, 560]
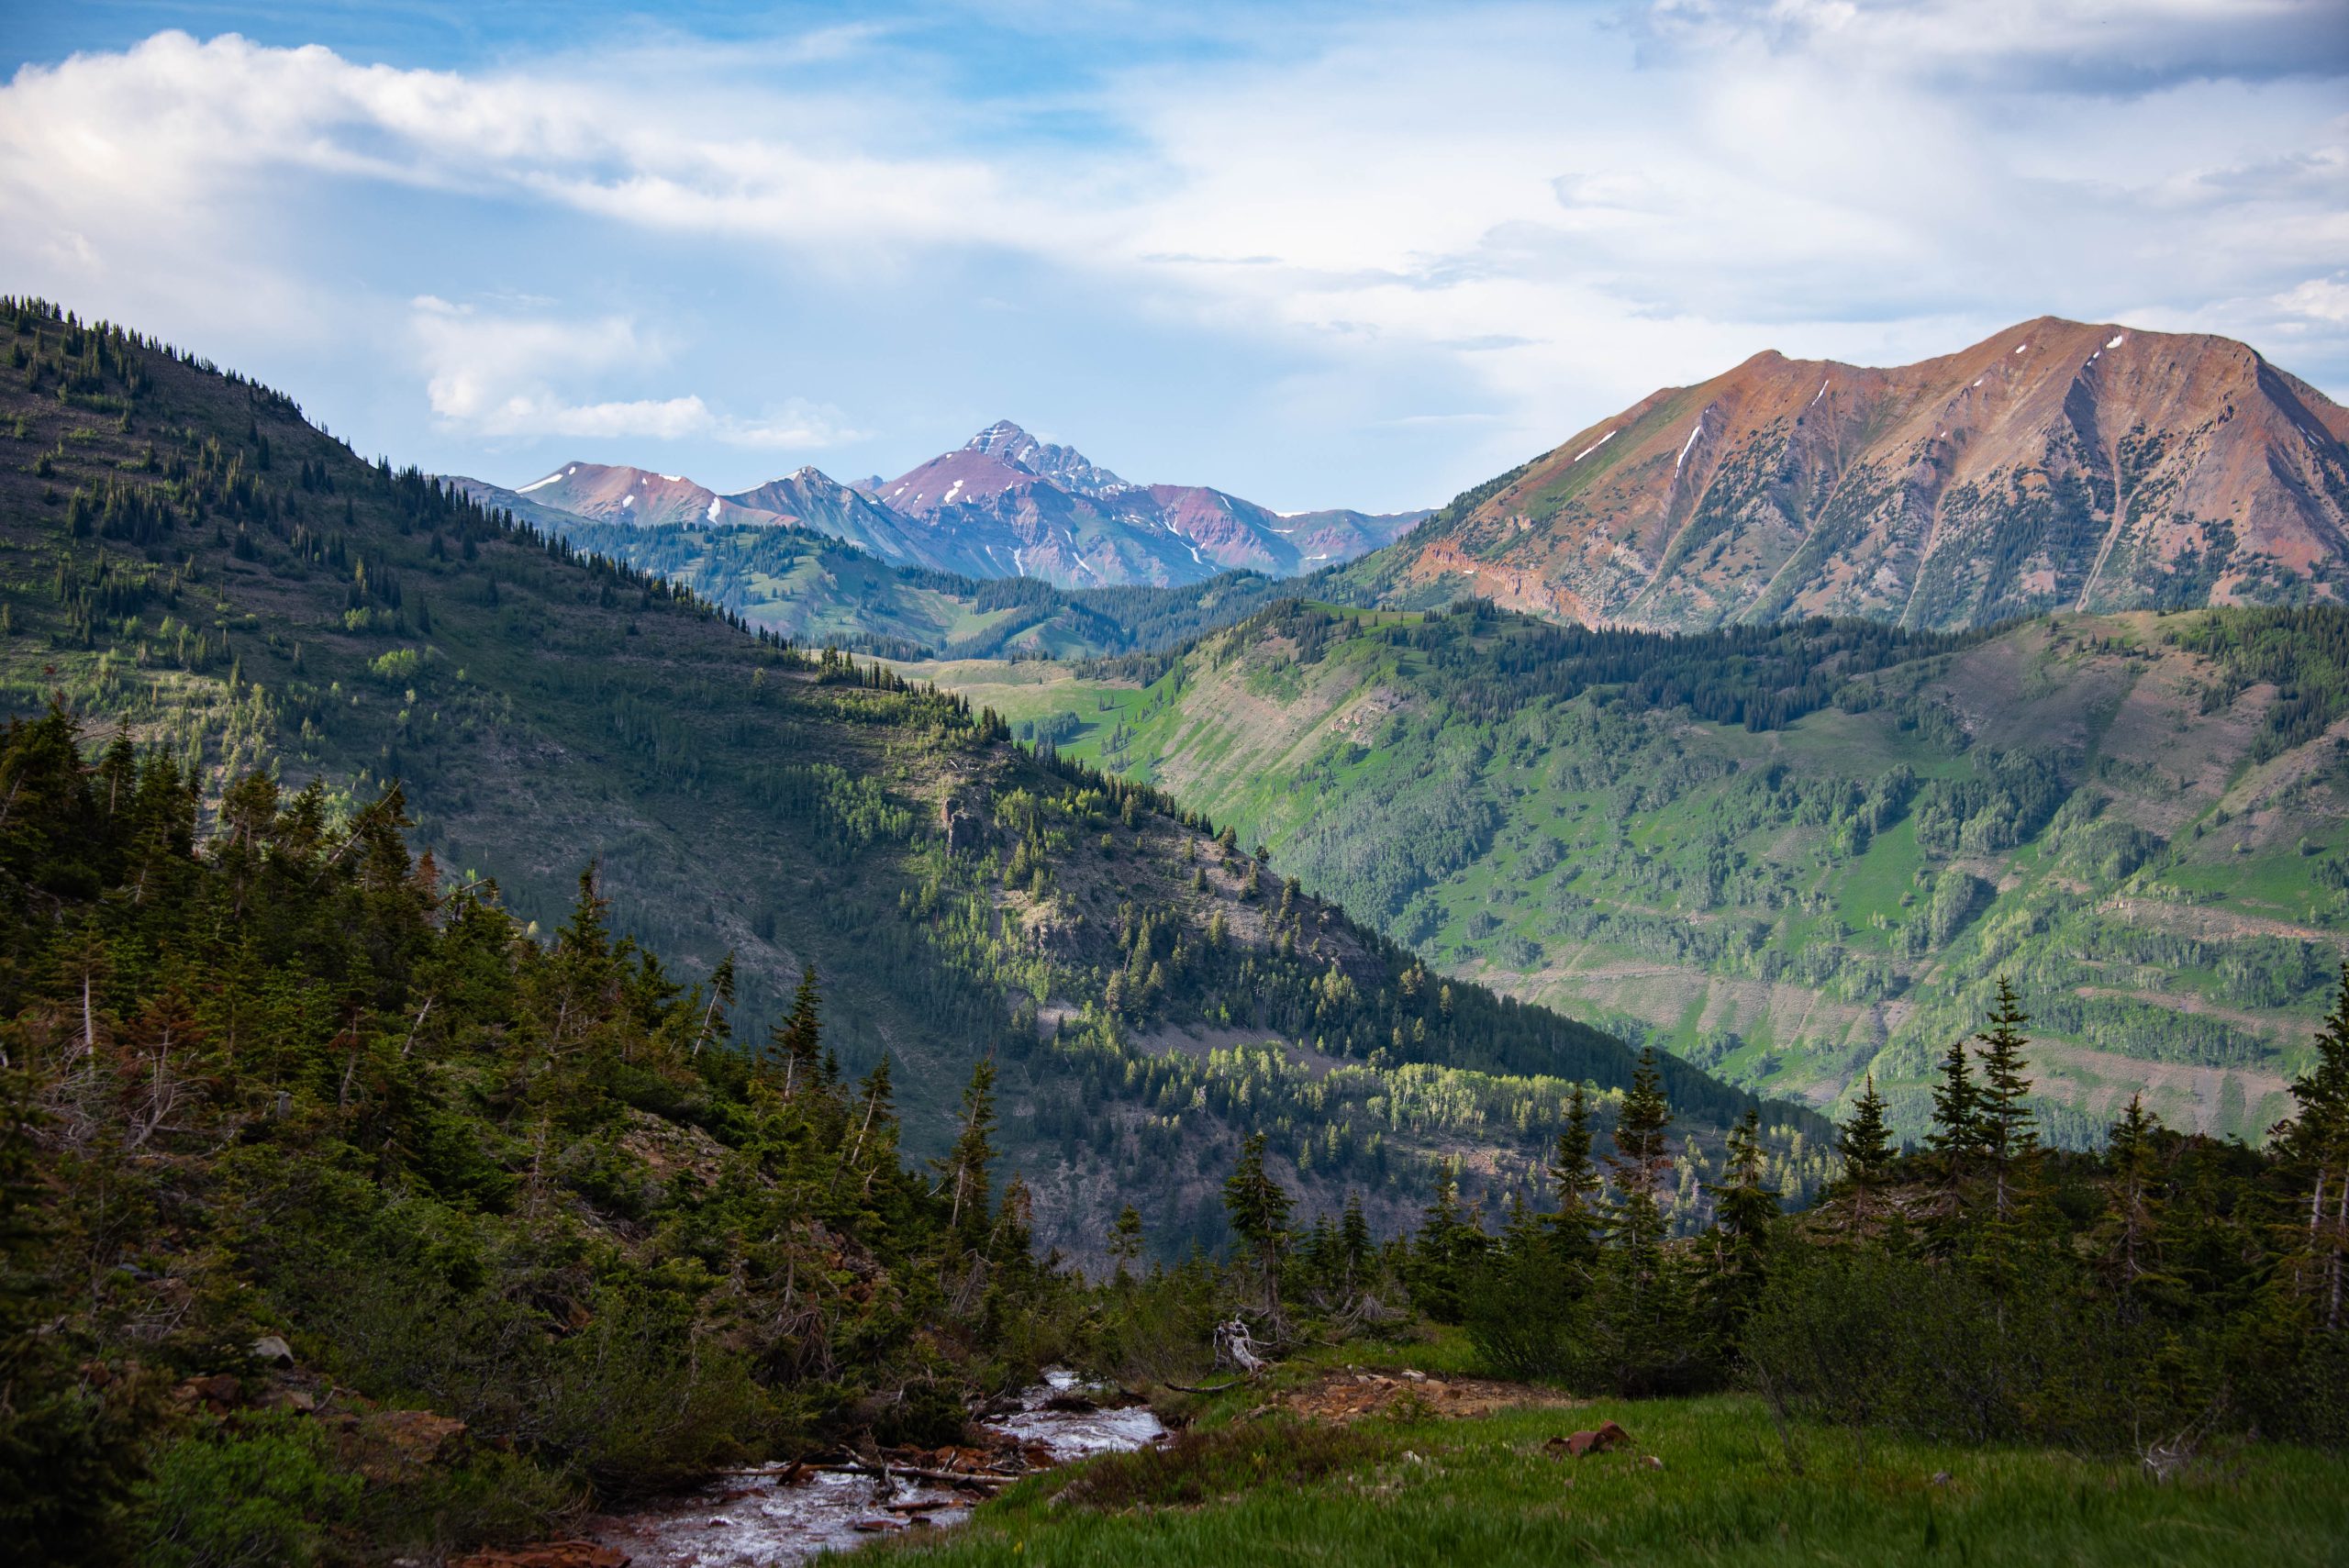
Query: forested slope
[1797, 854]
[181, 556]
[814, 589]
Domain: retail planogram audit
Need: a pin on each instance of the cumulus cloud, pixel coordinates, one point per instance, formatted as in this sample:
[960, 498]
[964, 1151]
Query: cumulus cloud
[495, 375]
[1547, 210]
[2094, 45]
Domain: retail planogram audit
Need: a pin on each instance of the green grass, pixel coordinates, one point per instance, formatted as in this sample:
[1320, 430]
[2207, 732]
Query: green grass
[1671, 856]
[1485, 1492]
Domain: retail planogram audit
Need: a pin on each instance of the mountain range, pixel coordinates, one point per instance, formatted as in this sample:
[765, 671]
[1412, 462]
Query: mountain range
[2053, 466]
[185, 559]
[1003, 504]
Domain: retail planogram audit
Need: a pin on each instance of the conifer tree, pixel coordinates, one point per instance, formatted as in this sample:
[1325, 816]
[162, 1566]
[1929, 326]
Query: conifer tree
[797, 1043]
[2008, 1134]
[1956, 1135]
[1864, 1144]
[1124, 1241]
[1745, 1208]
[2317, 1143]
[2134, 1203]
[966, 1163]
[1354, 1240]
[1449, 1240]
[1641, 1163]
[1576, 1222]
[1746, 1204]
[1258, 1207]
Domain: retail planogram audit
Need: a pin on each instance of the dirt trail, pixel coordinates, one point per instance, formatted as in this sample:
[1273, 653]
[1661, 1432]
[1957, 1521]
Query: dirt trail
[1355, 1394]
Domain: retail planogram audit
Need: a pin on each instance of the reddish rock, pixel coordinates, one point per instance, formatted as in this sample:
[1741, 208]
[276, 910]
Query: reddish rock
[547, 1554]
[1608, 1436]
[397, 1445]
[218, 1393]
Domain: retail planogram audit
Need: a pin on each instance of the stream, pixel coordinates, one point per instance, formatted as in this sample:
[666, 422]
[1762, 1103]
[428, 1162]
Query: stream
[761, 1521]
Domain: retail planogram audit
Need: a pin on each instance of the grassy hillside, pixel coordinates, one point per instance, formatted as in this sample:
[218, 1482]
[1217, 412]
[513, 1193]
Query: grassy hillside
[182, 556]
[1801, 855]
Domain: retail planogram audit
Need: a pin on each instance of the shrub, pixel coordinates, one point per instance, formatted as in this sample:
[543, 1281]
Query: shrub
[263, 1495]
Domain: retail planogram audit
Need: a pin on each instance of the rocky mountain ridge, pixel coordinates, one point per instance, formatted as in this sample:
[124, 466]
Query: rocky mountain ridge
[1003, 504]
[2056, 466]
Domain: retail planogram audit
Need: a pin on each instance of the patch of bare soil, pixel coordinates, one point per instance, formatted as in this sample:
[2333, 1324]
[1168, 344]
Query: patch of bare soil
[1340, 1397]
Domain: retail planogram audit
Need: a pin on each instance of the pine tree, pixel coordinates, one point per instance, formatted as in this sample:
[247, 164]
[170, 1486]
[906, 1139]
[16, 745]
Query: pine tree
[1354, 1240]
[1258, 1207]
[2133, 1204]
[2317, 1143]
[1864, 1144]
[1448, 1242]
[2007, 1132]
[1576, 1222]
[1956, 1135]
[966, 1163]
[1641, 1163]
[874, 1147]
[1124, 1241]
[1746, 1205]
[1745, 1208]
[797, 1043]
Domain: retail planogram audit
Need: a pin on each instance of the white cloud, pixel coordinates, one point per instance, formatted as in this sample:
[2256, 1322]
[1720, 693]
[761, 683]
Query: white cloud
[1547, 211]
[2319, 299]
[2096, 45]
[495, 375]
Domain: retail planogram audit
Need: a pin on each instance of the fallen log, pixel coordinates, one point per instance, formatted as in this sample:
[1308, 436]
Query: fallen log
[1205, 1388]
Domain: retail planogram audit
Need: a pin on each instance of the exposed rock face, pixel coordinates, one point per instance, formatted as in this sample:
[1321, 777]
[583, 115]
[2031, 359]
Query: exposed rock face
[2053, 466]
[1002, 504]
[1016, 507]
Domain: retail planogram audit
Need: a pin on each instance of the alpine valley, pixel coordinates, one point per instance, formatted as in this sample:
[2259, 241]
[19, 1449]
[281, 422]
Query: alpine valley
[2038, 744]
[541, 1026]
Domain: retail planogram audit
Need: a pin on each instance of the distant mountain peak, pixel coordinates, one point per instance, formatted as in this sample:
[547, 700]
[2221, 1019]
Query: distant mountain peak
[1064, 466]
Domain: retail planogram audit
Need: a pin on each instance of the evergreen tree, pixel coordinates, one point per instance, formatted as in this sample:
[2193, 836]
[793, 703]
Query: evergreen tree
[1864, 1144]
[1641, 1163]
[1258, 1207]
[2131, 1241]
[1955, 1139]
[1576, 1223]
[2008, 1134]
[966, 1163]
[1354, 1241]
[1124, 1241]
[1448, 1241]
[2316, 1141]
[797, 1043]
[1745, 1210]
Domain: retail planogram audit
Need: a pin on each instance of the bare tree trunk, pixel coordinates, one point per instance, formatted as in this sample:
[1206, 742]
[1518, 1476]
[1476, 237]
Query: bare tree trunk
[2340, 1230]
[420, 1017]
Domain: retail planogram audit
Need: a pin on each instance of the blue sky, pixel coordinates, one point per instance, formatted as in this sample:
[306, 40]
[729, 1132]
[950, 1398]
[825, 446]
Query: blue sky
[1317, 255]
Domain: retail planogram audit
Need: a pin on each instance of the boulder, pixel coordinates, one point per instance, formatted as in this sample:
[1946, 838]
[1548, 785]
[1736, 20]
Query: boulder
[1578, 1444]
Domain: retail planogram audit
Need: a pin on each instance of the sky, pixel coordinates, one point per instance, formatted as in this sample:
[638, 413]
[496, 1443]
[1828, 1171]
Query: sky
[1316, 255]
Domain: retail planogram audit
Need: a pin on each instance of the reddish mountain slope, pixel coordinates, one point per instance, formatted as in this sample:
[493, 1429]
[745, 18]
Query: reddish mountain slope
[1012, 503]
[2053, 466]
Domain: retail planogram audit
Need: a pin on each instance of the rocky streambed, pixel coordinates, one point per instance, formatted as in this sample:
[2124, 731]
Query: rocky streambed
[791, 1513]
